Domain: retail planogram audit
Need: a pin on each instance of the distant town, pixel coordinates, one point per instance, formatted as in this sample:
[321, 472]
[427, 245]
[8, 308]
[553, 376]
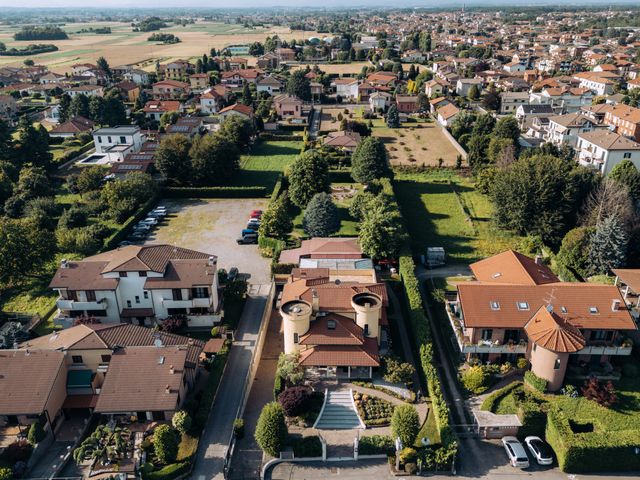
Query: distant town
[297, 243]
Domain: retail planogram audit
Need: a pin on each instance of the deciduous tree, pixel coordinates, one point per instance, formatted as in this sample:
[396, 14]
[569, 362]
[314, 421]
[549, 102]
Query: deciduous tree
[308, 175]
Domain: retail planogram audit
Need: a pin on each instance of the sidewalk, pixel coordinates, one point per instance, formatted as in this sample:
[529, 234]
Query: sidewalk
[219, 429]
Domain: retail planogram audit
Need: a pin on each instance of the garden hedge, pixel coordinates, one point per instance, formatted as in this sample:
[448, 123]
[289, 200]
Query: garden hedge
[534, 381]
[491, 401]
[597, 451]
[215, 192]
[305, 447]
[209, 392]
[169, 472]
[376, 444]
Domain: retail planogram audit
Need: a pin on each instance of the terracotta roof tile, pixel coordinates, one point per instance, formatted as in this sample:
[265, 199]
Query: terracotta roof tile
[513, 268]
[550, 331]
[345, 332]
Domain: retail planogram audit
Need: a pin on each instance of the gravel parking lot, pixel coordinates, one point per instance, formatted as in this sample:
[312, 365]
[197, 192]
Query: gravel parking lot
[212, 226]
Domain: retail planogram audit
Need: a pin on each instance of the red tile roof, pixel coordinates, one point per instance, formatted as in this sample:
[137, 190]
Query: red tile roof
[342, 355]
[549, 330]
[513, 268]
[345, 332]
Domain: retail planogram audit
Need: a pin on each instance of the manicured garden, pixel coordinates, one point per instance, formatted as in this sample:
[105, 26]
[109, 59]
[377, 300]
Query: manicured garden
[585, 435]
[373, 411]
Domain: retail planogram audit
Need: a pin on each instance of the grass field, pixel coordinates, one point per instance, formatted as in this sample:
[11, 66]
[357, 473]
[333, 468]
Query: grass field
[436, 216]
[266, 162]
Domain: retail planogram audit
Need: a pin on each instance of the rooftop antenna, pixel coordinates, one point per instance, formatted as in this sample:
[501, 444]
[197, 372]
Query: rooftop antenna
[549, 300]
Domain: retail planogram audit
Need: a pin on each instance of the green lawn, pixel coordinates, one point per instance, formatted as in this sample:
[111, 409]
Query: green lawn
[436, 216]
[266, 162]
[428, 430]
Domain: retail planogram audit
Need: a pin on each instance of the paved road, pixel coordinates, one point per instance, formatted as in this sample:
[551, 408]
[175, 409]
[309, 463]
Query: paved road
[219, 429]
[379, 470]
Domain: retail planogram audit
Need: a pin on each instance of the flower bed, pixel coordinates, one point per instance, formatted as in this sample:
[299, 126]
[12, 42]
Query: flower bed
[373, 411]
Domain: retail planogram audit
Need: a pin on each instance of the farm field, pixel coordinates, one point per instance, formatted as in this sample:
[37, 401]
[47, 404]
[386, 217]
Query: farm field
[266, 162]
[436, 216]
[123, 46]
[422, 144]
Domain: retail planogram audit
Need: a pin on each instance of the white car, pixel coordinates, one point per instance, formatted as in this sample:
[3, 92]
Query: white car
[516, 452]
[142, 227]
[540, 450]
[149, 221]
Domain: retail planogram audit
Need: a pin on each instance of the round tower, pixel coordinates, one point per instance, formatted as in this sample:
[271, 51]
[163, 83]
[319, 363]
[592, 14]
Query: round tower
[296, 317]
[367, 306]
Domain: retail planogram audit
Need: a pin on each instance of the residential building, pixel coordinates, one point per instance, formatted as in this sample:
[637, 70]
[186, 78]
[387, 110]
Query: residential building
[288, 107]
[8, 107]
[199, 82]
[332, 253]
[447, 114]
[518, 307]
[170, 89]
[88, 90]
[346, 88]
[154, 109]
[625, 120]
[603, 150]
[434, 87]
[137, 76]
[177, 69]
[269, 84]
[72, 127]
[407, 104]
[130, 90]
[334, 326]
[566, 128]
[210, 101]
[463, 85]
[140, 284]
[240, 109]
[123, 138]
[379, 101]
[510, 101]
[600, 83]
[342, 141]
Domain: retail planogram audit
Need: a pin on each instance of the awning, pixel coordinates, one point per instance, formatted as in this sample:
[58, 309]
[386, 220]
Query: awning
[80, 401]
[136, 312]
[79, 378]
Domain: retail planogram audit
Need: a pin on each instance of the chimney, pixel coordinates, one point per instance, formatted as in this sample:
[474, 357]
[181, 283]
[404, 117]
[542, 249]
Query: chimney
[615, 305]
[171, 370]
[538, 260]
[315, 303]
[167, 389]
[64, 263]
[212, 261]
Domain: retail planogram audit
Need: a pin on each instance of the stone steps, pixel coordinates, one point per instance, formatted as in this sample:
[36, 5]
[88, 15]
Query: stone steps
[338, 412]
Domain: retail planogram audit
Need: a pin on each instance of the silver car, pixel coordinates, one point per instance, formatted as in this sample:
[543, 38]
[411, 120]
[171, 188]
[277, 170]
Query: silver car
[516, 452]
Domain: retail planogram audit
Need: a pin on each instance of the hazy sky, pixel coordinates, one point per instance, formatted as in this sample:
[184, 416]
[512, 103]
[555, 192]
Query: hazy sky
[294, 3]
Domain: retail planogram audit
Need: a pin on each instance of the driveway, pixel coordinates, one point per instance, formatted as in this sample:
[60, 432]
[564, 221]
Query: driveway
[219, 428]
[212, 226]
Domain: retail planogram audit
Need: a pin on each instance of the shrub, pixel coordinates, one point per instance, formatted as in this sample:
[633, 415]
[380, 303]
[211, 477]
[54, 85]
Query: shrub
[6, 474]
[165, 444]
[271, 431]
[278, 386]
[306, 447]
[474, 379]
[19, 469]
[491, 401]
[408, 455]
[169, 472]
[215, 332]
[36, 433]
[238, 428]
[181, 421]
[376, 444]
[602, 394]
[411, 468]
[173, 324]
[294, 400]
[405, 423]
[397, 372]
[17, 451]
[522, 363]
[534, 381]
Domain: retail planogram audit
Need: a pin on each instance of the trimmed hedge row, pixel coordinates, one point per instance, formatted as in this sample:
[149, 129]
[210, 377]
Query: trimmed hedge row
[215, 192]
[73, 152]
[535, 382]
[169, 472]
[279, 137]
[594, 451]
[491, 401]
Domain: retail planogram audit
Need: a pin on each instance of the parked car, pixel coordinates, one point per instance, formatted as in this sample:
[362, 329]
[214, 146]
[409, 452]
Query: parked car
[138, 235]
[540, 450]
[142, 226]
[232, 275]
[256, 213]
[157, 213]
[248, 239]
[253, 223]
[248, 231]
[516, 452]
[149, 221]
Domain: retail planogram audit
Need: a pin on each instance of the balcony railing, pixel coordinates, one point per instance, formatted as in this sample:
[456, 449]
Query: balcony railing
[202, 302]
[605, 349]
[66, 304]
[193, 303]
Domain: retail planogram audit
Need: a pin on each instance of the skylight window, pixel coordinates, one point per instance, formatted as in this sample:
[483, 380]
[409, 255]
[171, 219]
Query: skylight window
[495, 305]
[593, 310]
[331, 324]
[523, 306]
[563, 309]
[496, 275]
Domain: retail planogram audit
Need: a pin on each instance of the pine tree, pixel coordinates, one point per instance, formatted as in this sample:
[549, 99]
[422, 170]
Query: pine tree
[247, 99]
[608, 246]
[393, 118]
[321, 216]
